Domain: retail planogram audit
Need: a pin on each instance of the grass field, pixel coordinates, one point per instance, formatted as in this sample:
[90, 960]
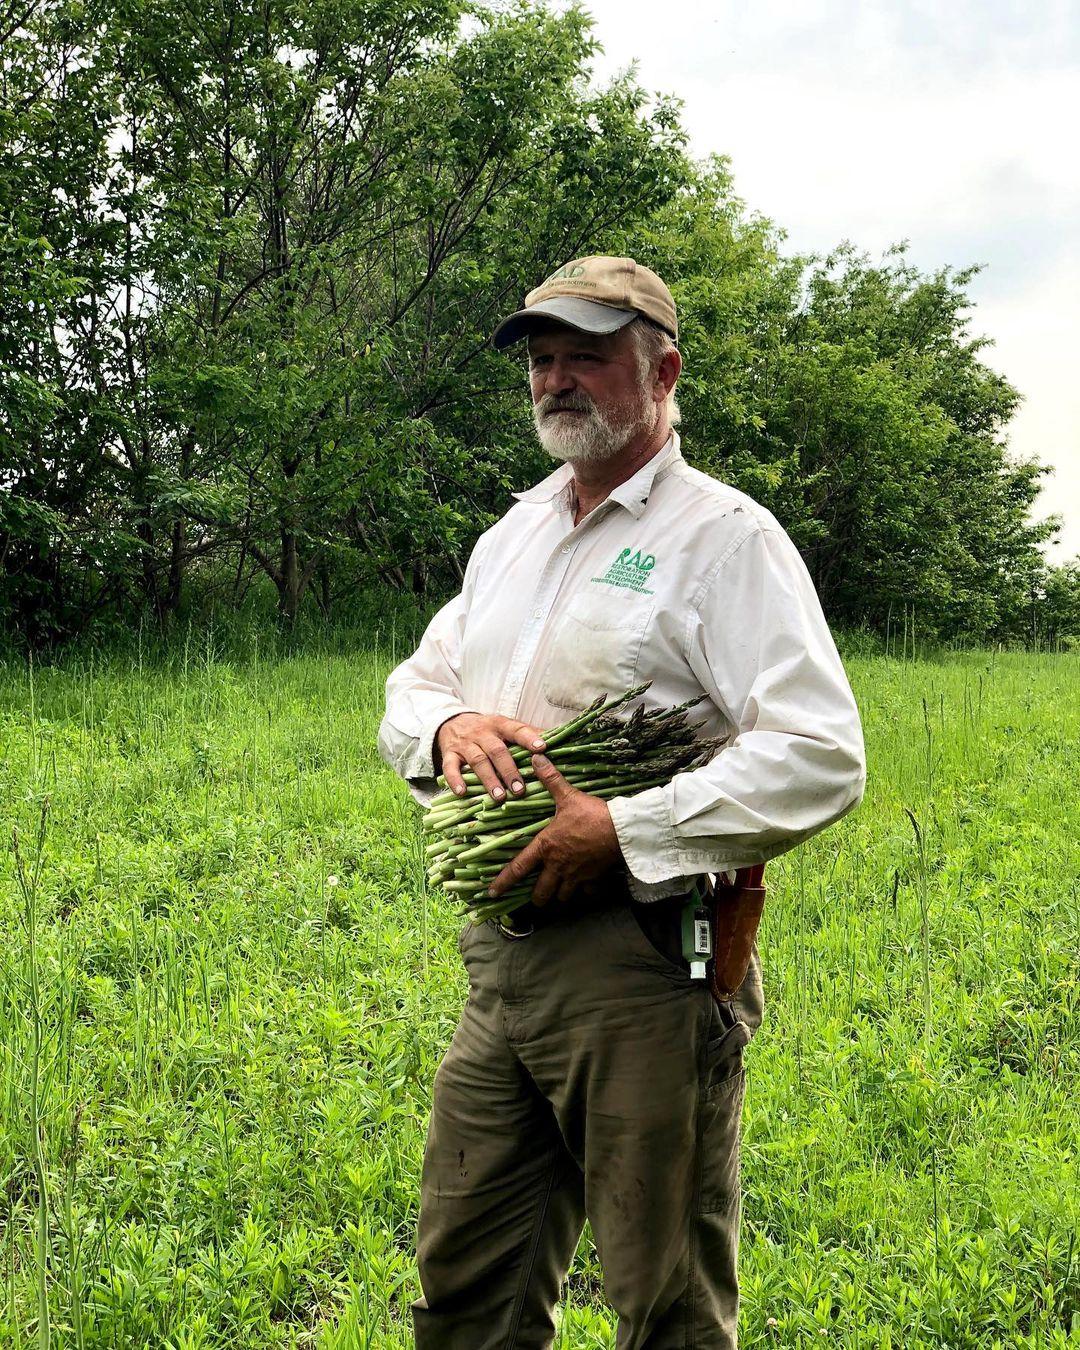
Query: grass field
[223, 995]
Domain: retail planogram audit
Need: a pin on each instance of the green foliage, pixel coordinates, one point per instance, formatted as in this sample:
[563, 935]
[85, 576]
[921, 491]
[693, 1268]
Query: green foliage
[250, 256]
[237, 992]
[57, 250]
[1055, 604]
[849, 398]
[308, 223]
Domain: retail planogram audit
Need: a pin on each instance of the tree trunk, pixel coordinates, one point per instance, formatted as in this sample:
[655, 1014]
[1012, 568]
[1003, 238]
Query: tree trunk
[324, 587]
[151, 590]
[289, 585]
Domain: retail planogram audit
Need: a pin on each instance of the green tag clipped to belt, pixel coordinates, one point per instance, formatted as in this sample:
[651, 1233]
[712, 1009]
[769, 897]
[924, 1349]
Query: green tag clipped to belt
[696, 934]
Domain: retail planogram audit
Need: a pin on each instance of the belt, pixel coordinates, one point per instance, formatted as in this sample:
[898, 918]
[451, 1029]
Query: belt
[736, 909]
[514, 925]
[660, 919]
[530, 918]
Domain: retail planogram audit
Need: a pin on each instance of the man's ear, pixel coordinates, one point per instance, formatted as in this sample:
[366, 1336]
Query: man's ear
[667, 374]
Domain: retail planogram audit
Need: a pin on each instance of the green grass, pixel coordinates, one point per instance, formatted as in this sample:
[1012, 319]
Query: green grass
[223, 995]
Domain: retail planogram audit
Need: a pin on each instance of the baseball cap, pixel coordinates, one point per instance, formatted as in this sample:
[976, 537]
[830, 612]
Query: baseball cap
[596, 295]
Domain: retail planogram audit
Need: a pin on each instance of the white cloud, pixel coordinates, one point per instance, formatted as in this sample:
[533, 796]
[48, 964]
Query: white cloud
[951, 127]
[1035, 332]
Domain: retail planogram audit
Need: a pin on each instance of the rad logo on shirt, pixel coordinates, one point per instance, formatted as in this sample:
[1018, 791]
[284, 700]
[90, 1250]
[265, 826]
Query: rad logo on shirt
[630, 570]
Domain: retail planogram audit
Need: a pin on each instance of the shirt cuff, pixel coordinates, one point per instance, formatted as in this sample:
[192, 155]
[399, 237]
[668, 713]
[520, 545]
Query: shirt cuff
[645, 892]
[422, 759]
[646, 835]
[423, 790]
[420, 778]
[656, 865]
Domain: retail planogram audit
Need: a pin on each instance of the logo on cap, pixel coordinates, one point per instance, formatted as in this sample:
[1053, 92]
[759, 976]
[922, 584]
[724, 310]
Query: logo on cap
[567, 273]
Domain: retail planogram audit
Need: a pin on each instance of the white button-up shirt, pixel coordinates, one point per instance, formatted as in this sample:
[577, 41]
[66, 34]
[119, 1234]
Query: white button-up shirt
[676, 578]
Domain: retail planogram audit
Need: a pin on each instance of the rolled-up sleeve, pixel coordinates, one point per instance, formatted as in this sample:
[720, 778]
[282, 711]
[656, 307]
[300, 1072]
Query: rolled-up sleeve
[759, 644]
[425, 690]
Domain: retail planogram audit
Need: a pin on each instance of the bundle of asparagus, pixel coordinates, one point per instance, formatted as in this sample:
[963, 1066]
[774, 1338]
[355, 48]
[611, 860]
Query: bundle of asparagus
[472, 837]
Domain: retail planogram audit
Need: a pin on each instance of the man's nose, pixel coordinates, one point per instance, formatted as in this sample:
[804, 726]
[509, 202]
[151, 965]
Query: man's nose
[559, 377]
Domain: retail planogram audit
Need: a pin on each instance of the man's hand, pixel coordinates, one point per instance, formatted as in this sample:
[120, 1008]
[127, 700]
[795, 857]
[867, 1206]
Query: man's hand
[478, 742]
[578, 846]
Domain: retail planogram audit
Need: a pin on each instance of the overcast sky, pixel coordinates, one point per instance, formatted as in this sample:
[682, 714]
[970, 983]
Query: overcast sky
[951, 126]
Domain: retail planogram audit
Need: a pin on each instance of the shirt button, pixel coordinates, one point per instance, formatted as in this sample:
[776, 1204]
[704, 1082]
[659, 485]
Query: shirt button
[566, 548]
[538, 613]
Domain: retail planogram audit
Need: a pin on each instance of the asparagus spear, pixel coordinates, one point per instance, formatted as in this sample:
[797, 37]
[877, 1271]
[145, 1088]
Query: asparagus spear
[469, 839]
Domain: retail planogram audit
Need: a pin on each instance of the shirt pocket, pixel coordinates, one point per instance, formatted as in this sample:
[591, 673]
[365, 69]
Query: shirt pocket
[596, 647]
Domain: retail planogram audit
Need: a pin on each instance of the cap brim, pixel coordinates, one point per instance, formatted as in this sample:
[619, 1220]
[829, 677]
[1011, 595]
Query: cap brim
[588, 316]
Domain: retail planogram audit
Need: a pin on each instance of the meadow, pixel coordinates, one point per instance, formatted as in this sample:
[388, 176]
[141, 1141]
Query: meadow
[224, 993]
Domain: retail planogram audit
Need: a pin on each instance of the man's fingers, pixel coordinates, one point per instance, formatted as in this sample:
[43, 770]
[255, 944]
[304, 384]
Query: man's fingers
[489, 757]
[517, 868]
[521, 733]
[547, 884]
[568, 890]
[504, 764]
[451, 768]
[551, 778]
[480, 763]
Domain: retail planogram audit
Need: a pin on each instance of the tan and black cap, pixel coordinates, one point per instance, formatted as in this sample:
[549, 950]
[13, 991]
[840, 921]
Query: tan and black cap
[596, 295]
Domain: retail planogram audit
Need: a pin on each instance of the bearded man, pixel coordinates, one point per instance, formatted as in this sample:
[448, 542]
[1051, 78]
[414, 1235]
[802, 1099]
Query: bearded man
[590, 1075]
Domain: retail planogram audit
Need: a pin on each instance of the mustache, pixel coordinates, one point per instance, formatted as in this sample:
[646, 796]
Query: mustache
[552, 403]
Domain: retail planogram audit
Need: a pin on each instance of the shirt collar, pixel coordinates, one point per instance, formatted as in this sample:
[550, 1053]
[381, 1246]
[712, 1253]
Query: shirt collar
[557, 487]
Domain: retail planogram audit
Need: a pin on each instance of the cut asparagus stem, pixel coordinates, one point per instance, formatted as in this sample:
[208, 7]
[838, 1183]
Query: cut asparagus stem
[470, 838]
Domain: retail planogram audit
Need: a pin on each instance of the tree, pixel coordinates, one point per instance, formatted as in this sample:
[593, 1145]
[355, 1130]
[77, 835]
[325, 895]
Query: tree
[63, 550]
[348, 197]
[251, 257]
[288, 232]
[1054, 609]
[850, 399]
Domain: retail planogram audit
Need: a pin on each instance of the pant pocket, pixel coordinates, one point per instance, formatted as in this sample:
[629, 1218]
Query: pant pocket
[632, 941]
[723, 1085]
[463, 936]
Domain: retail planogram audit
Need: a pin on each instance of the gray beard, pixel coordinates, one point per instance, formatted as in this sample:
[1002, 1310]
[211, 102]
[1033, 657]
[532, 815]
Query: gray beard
[585, 437]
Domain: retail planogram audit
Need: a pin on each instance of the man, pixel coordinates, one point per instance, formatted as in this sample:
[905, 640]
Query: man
[590, 1075]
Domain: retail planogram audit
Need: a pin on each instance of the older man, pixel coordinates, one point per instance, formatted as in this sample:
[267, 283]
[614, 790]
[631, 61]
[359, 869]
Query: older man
[590, 1075]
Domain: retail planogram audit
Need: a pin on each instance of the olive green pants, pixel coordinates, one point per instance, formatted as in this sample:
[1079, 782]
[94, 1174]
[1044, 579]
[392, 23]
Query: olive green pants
[588, 1077]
